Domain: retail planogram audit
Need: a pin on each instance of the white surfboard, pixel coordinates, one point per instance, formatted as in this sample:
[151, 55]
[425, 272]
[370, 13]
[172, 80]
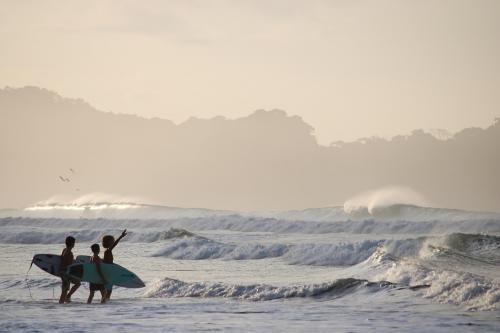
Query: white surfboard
[51, 263]
[48, 262]
[82, 260]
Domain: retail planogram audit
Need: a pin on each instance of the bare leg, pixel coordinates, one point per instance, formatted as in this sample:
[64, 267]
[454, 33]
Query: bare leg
[72, 291]
[108, 294]
[91, 296]
[64, 294]
[103, 296]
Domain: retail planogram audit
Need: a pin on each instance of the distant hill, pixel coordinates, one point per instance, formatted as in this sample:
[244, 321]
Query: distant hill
[267, 160]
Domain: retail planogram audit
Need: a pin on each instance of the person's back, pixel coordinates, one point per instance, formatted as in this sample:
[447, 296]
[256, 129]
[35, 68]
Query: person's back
[108, 256]
[95, 259]
[67, 260]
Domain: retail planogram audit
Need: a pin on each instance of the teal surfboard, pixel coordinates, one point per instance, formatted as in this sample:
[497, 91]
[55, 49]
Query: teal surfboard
[113, 273]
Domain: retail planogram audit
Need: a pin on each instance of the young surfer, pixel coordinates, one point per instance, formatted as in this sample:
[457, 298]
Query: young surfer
[109, 243]
[97, 286]
[67, 260]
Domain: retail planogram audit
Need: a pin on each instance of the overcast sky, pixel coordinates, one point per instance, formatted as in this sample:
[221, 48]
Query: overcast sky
[348, 68]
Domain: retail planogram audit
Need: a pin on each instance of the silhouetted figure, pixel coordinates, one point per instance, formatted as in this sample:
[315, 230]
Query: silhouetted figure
[109, 243]
[67, 260]
[97, 286]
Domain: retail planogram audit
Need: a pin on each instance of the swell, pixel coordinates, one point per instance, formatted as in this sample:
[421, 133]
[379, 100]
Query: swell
[252, 224]
[448, 284]
[90, 208]
[477, 249]
[259, 292]
[197, 248]
[340, 254]
[41, 235]
[434, 267]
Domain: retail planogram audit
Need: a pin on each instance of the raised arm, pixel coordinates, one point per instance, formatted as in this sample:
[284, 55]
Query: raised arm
[124, 233]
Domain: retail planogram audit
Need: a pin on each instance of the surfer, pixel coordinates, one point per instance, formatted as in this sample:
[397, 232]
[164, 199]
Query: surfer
[97, 286]
[109, 243]
[67, 260]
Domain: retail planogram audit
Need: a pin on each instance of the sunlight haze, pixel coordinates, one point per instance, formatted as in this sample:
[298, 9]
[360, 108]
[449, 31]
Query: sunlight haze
[351, 69]
[271, 166]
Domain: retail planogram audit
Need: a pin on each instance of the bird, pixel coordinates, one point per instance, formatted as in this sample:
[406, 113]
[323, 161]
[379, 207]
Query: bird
[64, 179]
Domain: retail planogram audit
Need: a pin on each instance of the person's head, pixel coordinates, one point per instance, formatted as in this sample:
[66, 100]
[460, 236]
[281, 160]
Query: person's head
[70, 242]
[95, 249]
[107, 241]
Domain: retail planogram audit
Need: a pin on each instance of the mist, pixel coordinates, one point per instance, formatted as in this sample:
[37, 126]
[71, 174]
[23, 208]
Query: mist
[54, 146]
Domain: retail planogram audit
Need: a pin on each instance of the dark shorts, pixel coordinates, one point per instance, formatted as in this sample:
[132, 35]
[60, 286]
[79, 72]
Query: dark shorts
[96, 286]
[67, 279]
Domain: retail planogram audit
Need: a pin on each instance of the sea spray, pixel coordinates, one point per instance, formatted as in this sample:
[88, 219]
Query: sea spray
[377, 202]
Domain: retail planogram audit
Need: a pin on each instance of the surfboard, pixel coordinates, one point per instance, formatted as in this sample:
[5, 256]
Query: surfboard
[51, 263]
[82, 259]
[48, 262]
[113, 273]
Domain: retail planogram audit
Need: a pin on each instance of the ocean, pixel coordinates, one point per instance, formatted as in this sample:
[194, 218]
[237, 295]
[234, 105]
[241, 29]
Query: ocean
[397, 268]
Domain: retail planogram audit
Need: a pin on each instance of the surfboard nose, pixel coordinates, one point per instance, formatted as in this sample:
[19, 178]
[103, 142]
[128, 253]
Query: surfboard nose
[135, 283]
[140, 283]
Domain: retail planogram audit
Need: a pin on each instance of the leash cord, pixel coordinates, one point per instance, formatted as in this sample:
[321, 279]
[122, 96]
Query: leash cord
[27, 281]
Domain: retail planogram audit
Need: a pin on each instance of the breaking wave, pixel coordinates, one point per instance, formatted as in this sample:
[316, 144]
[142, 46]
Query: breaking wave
[382, 201]
[44, 236]
[341, 254]
[441, 254]
[474, 248]
[449, 285]
[202, 248]
[259, 292]
[257, 224]
[387, 204]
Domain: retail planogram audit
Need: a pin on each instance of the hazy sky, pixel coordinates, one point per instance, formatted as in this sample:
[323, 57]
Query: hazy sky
[349, 68]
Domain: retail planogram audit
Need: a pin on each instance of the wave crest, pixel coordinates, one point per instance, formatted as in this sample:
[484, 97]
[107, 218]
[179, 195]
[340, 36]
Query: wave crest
[40, 236]
[202, 248]
[376, 202]
[257, 292]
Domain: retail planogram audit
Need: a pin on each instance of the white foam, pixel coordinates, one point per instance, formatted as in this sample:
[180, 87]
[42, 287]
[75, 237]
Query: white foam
[465, 289]
[43, 236]
[384, 205]
[371, 201]
[340, 254]
[259, 292]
